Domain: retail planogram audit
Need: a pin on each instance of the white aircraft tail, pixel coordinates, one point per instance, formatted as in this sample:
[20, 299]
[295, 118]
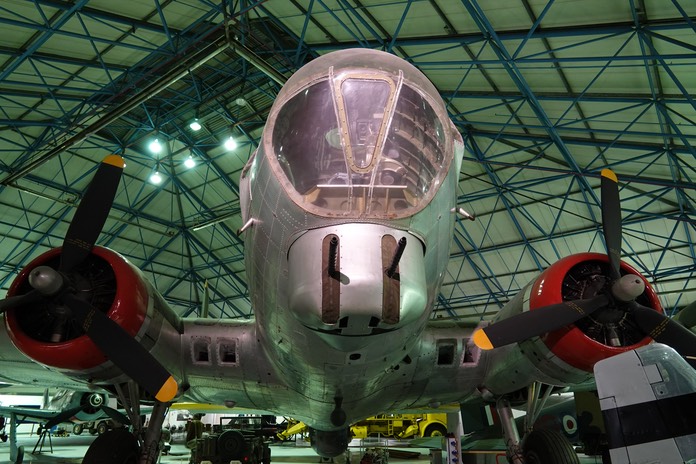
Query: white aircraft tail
[648, 400]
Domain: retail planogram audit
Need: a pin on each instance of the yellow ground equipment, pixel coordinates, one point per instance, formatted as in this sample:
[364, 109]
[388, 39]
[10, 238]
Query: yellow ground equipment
[386, 425]
[401, 426]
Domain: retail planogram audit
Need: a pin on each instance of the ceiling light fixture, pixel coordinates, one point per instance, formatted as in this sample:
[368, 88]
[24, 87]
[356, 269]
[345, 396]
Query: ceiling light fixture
[190, 162]
[155, 147]
[195, 125]
[230, 143]
[156, 178]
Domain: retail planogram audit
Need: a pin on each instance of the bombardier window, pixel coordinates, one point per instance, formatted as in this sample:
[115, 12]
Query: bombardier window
[360, 146]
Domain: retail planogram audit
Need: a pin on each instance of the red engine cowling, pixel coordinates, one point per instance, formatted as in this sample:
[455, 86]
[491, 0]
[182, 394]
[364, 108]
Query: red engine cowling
[567, 355]
[107, 281]
[581, 345]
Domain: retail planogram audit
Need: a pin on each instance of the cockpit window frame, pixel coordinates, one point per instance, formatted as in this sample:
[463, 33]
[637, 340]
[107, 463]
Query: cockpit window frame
[336, 83]
[397, 82]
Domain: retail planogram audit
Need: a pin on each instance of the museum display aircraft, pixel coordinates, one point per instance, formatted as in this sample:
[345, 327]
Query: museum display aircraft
[348, 206]
[64, 406]
[654, 420]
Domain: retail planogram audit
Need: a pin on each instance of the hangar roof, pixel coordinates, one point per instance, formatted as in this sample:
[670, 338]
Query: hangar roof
[545, 93]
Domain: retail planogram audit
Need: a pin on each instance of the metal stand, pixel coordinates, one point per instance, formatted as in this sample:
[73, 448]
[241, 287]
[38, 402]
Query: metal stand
[42, 439]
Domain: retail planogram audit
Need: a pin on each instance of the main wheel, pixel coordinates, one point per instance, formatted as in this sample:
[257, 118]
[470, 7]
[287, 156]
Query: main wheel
[117, 446]
[77, 429]
[548, 447]
[435, 430]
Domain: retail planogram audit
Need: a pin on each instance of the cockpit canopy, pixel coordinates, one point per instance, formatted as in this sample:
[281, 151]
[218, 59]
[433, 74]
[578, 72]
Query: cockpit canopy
[361, 142]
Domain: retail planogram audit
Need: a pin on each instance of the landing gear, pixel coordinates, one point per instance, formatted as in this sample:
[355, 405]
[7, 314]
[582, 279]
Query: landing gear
[548, 446]
[117, 446]
[120, 446]
[538, 446]
[510, 433]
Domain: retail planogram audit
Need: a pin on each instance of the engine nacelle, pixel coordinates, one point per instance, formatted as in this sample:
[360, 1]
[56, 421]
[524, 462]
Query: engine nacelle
[566, 355]
[45, 332]
[583, 345]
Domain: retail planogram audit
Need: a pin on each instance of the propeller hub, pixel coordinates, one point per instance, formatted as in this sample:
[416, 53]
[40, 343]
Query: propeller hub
[628, 288]
[46, 280]
[95, 400]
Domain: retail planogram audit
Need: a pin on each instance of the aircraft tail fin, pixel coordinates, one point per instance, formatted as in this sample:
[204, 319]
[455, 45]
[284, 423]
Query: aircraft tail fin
[648, 400]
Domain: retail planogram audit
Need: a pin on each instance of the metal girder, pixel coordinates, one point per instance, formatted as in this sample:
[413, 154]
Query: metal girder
[529, 144]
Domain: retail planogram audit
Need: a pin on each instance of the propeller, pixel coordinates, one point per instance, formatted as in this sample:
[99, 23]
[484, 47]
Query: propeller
[55, 286]
[66, 415]
[537, 322]
[615, 299]
[91, 214]
[61, 417]
[611, 221]
[687, 316]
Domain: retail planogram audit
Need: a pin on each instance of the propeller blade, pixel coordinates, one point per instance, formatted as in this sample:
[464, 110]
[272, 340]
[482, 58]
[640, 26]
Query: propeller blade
[20, 300]
[61, 417]
[116, 416]
[92, 212]
[537, 322]
[611, 220]
[123, 350]
[663, 329]
[687, 316]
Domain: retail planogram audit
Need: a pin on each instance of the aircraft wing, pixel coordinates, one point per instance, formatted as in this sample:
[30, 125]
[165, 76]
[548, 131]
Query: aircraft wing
[24, 413]
[17, 369]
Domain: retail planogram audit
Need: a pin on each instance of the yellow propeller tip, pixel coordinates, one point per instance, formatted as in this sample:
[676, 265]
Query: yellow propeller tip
[481, 340]
[168, 390]
[114, 160]
[609, 174]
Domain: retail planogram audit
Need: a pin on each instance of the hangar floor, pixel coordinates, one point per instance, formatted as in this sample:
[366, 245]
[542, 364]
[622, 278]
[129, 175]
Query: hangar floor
[71, 449]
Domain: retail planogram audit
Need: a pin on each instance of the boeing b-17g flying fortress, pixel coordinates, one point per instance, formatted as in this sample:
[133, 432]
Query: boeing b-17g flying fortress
[347, 204]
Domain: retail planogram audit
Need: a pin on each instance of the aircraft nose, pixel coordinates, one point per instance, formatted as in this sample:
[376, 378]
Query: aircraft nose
[356, 279]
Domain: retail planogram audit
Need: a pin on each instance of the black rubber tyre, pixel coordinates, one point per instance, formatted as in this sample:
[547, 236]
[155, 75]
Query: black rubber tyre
[231, 445]
[435, 430]
[77, 429]
[117, 446]
[102, 428]
[548, 447]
